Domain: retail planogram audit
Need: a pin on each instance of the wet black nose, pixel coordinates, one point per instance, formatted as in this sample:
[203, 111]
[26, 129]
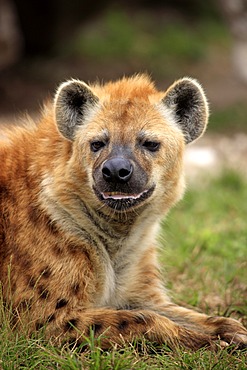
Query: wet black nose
[118, 170]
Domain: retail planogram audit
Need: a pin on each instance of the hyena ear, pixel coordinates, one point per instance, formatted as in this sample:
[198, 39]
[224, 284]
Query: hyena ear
[74, 101]
[188, 104]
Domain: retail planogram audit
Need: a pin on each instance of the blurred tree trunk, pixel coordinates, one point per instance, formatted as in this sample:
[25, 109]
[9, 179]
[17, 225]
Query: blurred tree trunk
[38, 23]
[45, 23]
[10, 34]
[235, 12]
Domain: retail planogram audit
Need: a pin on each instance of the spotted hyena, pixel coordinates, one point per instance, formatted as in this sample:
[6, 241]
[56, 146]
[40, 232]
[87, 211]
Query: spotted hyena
[82, 194]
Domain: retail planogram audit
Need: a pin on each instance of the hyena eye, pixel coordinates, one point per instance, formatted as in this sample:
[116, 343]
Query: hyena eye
[97, 145]
[152, 146]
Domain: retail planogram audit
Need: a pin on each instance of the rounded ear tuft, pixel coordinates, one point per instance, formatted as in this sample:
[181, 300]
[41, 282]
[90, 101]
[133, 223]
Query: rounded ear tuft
[73, 101]
[188, 104]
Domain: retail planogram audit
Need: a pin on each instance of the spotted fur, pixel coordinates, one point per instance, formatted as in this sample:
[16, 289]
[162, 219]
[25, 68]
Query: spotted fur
[77, 232]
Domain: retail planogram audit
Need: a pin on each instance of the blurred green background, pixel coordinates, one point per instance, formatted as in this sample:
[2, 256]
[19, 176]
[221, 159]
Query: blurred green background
[51, 41]
[43, 43]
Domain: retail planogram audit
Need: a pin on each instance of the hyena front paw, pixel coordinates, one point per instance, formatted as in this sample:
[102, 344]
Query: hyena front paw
[229, 331]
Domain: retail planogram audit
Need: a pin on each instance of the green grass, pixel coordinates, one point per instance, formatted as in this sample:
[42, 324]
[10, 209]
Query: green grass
[167, 46]
[147, 38]
[205, 239]
[164, 45]
[230, 119]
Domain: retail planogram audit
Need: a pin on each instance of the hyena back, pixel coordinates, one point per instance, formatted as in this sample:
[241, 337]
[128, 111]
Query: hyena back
[81, 197]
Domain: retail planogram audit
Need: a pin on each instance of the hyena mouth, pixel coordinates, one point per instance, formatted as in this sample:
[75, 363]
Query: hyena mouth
[122, 201]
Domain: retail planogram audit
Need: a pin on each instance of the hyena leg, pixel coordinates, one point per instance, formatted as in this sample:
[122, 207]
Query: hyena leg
[226, 329]
[147, 289]
[119, 326]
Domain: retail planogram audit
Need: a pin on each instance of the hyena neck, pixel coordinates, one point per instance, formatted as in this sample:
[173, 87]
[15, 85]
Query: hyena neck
[78, 218]
[119, 233]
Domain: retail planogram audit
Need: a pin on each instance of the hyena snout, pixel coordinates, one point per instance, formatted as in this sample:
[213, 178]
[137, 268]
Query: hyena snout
[117, 170]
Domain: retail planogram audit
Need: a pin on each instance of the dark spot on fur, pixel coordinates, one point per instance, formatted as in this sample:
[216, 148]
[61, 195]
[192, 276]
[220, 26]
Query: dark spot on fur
[72, 343]
[33, 214]
[53, 228]
[128, 307]
[88, 331]
[4, 252]
[20, 258]
[75, 288]
[51, 318]
[24, 261]
[61, 303]
[39, 325]
[46, 272]
[140, 319]
[97, 327]
[43, 292]
[71, 324]
[7, 195]
[31, 281]
[50, 225]
[4, 191]
[123, 325]
[2, 242]
[30, 182]
[73, 248]
[87, 255]
[58, 251]
[44, 295]
[36, 217]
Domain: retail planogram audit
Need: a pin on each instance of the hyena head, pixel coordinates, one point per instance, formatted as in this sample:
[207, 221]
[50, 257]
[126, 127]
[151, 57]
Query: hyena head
[128, 139]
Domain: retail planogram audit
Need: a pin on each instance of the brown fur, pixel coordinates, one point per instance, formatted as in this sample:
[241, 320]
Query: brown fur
[68, 259]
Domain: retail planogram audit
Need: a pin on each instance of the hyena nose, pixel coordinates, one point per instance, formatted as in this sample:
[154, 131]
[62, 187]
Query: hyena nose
[117, 170]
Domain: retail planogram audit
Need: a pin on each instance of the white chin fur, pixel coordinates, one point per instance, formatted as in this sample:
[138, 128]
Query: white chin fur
[119, 196]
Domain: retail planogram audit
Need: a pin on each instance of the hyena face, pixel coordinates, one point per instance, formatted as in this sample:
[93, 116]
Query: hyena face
[129, 138]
